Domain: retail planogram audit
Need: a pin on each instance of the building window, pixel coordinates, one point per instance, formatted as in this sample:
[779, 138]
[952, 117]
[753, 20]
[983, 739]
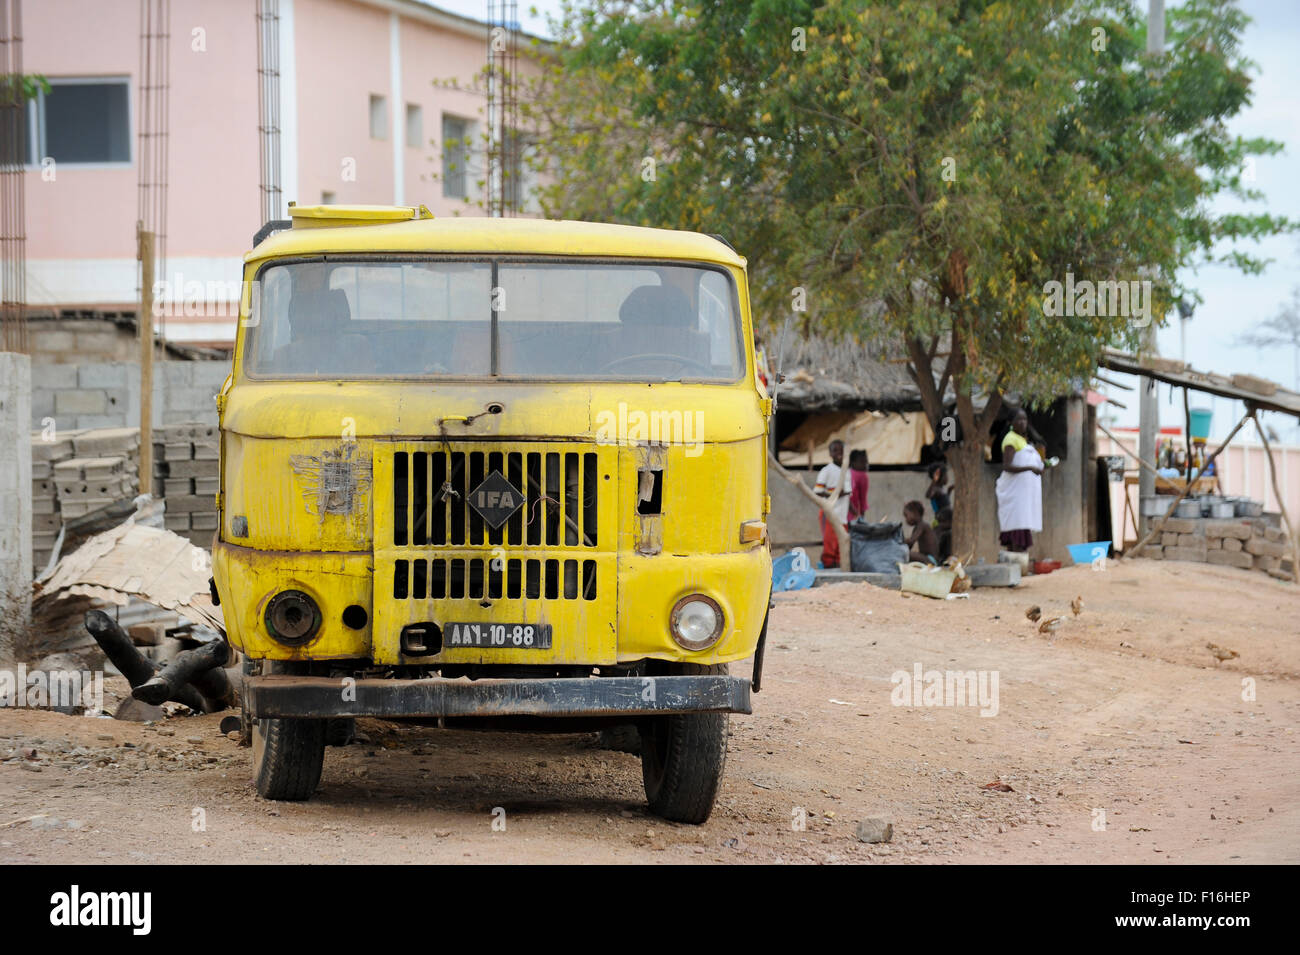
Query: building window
[81, 122]
[455, 156]
[378, 116]
[414, 125]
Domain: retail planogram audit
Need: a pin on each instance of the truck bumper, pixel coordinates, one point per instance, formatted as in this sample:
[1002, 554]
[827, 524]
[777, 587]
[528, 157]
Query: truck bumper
[277, 696]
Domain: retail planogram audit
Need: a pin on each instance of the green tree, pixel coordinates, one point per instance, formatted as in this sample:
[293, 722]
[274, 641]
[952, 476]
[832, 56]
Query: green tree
[922, 169]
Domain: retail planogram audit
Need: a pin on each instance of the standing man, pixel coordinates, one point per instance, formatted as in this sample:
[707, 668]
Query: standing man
[828, 479]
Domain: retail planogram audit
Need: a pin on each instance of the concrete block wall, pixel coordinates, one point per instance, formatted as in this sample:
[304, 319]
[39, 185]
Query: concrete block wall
[107, 394]
[1248, 543]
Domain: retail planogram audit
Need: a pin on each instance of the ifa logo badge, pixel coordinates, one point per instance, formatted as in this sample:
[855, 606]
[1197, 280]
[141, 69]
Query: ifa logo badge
[495, 499]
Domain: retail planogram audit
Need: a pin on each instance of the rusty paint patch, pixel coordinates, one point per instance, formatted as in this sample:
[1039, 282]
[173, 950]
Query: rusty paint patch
[336, 481]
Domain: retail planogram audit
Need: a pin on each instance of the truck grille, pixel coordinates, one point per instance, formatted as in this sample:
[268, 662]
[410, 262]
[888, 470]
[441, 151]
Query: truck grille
[494, 579]
[560, 491]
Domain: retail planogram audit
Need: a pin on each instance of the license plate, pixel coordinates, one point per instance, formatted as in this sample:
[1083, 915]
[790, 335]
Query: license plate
[515, 636]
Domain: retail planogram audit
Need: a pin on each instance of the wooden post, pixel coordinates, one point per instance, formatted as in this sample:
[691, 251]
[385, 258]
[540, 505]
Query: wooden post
[146, 359]
[1281, 501]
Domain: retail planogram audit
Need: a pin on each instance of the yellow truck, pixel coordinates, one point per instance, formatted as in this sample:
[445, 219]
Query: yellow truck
[493, 473]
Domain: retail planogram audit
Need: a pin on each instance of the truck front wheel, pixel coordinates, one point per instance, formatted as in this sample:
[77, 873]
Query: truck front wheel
[682, 758]
[288, 755]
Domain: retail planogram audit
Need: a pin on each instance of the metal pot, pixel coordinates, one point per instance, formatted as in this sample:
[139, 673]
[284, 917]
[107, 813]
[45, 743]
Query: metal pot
[1188, 508]
[1247, 508]
[1155, 505]
[1222, 509]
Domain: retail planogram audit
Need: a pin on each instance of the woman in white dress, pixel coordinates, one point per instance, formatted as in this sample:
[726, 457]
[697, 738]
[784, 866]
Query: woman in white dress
[1020, 487]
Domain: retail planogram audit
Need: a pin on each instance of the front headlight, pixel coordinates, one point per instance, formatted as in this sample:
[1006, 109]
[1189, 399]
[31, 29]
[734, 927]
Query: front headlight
[292, 618]
[696, 622]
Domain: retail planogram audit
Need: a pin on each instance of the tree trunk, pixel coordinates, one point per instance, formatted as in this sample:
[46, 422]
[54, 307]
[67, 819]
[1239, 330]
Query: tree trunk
[967, 461]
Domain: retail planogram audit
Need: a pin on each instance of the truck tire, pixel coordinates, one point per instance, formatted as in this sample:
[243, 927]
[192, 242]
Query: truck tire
[288, 755]
[682, 757]
[623, 738]
[340, 731]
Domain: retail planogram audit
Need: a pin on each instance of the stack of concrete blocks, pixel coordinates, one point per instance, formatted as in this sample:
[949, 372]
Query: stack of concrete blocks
[46, 517]
[1248, 543]
[105, 469]
[75, 473]
[193, 478]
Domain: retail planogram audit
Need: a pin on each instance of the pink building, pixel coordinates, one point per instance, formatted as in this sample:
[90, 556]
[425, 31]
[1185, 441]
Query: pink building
[360, 118]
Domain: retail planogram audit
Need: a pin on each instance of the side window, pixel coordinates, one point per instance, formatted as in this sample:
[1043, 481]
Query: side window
[717, 320]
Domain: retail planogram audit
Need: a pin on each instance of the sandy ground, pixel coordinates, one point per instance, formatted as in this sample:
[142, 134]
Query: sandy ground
[1122, 740]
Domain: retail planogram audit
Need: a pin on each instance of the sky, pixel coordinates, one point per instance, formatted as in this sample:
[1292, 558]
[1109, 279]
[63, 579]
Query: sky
[1233, 302]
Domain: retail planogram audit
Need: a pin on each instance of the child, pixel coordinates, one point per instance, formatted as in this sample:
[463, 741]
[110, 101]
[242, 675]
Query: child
[923, 543]
[860, 483]
[936, 492]
[943, 529]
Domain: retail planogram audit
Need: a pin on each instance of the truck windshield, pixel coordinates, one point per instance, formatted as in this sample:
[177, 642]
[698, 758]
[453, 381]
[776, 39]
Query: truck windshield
[641, 321]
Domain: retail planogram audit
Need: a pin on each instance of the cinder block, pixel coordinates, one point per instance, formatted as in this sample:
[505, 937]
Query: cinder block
[80, 508]
[207, 485]
[1169, 540]
[88, 402]
[1274, 534]
[194, 469]
[1262, 562]
[174, 374]
[1232, 544]
[1185, 525]
[1153, 552]
[1191, 540]
[187, 504]
[174, 521]
[1266, 548]
[179, 451]
[1215, 543]
[1187, 553]
[106, 441]
[206, 521]
[206, 452]
[178, 487]
[56, 377]
[56, 450]
[1233, 529]
[1229, 558]
[102, 375]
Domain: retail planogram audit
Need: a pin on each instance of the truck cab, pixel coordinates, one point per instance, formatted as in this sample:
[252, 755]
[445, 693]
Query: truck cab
[493, 472]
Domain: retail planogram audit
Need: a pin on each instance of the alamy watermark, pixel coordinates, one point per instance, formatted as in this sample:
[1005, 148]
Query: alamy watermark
[1118, 299]
[626, 426]
[946, 688]
[53, 689]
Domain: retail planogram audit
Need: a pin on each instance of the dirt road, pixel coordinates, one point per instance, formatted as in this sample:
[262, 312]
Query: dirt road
[1122, 740]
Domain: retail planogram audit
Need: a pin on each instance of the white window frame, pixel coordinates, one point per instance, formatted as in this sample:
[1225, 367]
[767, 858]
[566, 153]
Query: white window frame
[419, 141]
[379, 100]
[467, 148]
[36, 125]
